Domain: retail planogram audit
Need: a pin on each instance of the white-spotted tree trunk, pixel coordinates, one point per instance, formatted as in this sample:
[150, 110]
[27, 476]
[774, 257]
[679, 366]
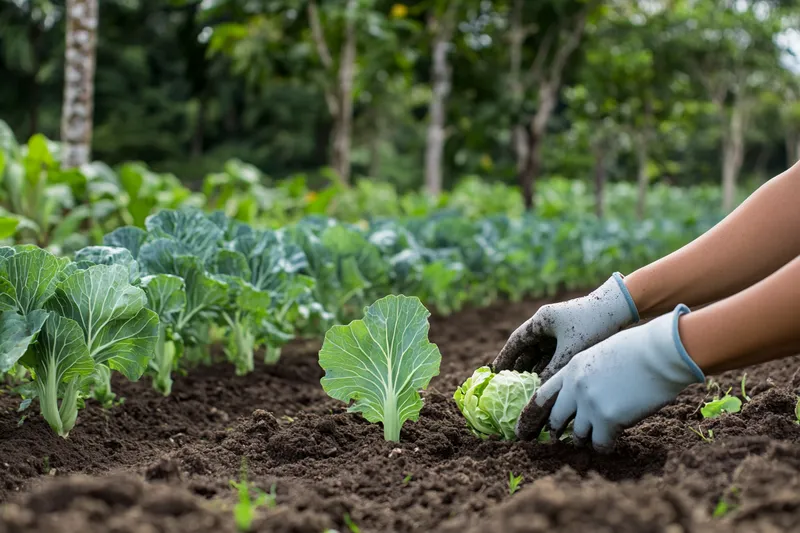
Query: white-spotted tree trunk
[79, 68]
[732, 155]
[441, 26]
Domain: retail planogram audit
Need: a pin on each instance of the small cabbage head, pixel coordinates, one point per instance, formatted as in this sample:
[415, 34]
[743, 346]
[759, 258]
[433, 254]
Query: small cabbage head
[492, 403]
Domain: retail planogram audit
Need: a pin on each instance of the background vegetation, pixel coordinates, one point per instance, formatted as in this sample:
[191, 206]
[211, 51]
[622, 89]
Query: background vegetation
[421, 93]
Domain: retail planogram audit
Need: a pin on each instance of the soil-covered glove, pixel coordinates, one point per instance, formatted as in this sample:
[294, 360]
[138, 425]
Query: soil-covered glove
[614, 384]
[548, 340]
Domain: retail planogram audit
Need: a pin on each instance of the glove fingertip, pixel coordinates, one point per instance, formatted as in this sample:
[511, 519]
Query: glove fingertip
[534, 417]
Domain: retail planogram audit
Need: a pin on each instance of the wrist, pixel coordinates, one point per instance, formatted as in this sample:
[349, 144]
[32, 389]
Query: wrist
[668, 353]
[644, 293]
[633, 309]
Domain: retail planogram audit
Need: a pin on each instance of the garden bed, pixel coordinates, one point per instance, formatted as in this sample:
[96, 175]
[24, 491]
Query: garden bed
[157, 464]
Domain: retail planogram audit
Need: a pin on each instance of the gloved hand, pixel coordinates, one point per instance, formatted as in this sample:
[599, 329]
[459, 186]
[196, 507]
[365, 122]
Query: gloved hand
[614, 384]
[548, 340]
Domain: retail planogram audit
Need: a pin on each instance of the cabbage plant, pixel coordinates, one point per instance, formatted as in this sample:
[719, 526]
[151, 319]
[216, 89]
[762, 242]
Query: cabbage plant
[382, 362]
[492, 403]
[62, 320]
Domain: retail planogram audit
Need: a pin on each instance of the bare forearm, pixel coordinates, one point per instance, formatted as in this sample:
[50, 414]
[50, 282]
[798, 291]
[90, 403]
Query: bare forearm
[756, 325]
[755, 240]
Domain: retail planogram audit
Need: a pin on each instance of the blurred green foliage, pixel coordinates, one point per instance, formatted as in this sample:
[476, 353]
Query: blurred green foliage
[185, 86]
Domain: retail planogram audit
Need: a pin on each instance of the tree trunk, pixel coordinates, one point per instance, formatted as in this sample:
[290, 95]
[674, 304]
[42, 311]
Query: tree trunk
[343, 119]
[732, 156]
[547, 103]
[599, 179]
[440, 74]
[521, 146]
[533, 164]
[79, 68]
[199, 128]
[642, 179]
[519, 135]
[34, 34]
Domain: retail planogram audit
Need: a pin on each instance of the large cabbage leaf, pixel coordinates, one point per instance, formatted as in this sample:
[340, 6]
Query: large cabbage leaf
[381, 362]
[120, 331]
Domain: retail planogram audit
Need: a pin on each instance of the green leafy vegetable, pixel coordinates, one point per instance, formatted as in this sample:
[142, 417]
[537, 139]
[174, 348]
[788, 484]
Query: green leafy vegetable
[60, 359]
[167, 298]
[381, 362]
[726, 404]
[492, 403]
[120, 331]
[17, 332]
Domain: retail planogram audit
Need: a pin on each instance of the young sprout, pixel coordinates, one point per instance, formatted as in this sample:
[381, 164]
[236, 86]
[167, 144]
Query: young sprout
[707, 437]
[352, 526]
[514, 482]
[723, 506]
[744, 394]
[407, 479]
[244, 512]
[726, 404]
[797, 411]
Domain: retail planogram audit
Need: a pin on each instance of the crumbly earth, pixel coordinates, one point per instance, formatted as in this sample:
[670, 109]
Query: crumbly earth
[164, 465]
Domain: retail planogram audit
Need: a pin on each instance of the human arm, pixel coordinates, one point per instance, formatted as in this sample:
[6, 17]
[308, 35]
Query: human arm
[752, 242]
[627, 377]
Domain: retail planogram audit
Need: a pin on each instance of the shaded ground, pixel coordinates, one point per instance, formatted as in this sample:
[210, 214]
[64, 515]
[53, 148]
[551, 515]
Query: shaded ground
[159, 464]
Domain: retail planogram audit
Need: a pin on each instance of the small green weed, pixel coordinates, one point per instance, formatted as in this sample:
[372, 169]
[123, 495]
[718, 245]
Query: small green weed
[706, 436]
[352, 526]
[744, 393]
[797, 411]
[244, 512]
[724, 506]
[513, 482]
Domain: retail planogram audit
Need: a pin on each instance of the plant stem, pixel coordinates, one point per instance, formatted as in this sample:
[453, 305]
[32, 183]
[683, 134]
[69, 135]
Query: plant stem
[391, 419]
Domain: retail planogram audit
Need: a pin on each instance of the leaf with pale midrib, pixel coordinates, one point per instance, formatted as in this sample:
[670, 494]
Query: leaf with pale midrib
[119, 331]
[382, 360]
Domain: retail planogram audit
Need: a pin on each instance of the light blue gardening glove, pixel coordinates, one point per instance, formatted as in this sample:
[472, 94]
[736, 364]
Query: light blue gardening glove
[614, 384]
[551, 337]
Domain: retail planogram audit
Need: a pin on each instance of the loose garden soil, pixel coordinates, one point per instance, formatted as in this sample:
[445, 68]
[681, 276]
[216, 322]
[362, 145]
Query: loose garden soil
[163, 465]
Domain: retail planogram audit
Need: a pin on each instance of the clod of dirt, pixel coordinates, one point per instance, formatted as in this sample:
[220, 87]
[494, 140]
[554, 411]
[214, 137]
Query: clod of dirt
[164, 470]
[577, 506]
[118, 504]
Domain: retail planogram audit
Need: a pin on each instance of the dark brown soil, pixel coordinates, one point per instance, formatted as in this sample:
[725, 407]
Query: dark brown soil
[159, 464]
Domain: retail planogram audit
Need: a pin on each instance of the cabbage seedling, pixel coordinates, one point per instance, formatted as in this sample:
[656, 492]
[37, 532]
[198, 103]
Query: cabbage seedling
[726, 404]
[492, 403]
[381, 362]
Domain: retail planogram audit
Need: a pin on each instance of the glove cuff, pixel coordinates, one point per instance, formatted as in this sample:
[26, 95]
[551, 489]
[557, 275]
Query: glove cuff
[672, 359]
[614, 303]
[627, 295]
[679, 311]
